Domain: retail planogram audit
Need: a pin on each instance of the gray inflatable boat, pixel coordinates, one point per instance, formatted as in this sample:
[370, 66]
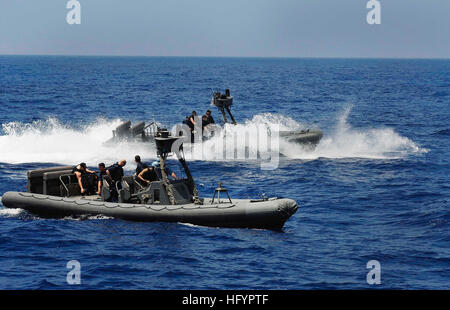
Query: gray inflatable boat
[265, 214]
[55, 193]
[305, 137]
[142, 132]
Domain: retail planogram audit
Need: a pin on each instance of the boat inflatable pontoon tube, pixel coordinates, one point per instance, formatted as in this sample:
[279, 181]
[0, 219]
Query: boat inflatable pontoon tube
[264, 214]
[54, 192]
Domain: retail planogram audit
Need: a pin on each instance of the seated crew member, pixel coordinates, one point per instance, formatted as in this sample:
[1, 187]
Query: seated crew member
[139, 165]
[86, 179]
[193, 118]
[209, 118]
[147, 175]
[204, 121]
[157, 165]
[205, 130]
[188, 123]
[102, 173]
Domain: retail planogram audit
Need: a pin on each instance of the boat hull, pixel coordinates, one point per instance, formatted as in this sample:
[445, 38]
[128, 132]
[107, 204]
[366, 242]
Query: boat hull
[310, 137]
[264, 214]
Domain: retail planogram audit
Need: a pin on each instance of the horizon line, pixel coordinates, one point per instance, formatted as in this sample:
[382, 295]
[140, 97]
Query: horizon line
[260, 57]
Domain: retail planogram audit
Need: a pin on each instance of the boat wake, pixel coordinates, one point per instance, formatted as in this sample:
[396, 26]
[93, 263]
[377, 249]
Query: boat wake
[347, 142]
[4, 212]
[50, 141]
[343, 141]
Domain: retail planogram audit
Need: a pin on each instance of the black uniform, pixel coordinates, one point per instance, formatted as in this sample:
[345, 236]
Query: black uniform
[210, 120]
[149, 175]
[140, 166]
[89, 180]
[189, 124]
[116, 172]
[101, 175]
[159, 174]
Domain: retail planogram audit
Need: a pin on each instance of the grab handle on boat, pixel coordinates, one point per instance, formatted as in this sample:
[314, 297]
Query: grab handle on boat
[64, 184]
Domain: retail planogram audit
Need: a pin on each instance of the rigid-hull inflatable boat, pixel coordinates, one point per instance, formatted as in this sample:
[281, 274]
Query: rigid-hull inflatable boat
[306, 137]
[55, 193]
[266, 214]
[142, 132]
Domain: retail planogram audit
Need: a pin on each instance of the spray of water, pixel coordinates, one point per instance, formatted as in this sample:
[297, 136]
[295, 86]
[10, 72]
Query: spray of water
[10, 212]
[50, 141]
[347, 142]
[342, 142]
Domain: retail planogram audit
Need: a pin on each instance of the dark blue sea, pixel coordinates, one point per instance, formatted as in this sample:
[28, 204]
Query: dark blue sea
[377, 187]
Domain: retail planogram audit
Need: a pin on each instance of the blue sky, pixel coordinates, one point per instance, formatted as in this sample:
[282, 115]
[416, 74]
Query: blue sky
[261, 28]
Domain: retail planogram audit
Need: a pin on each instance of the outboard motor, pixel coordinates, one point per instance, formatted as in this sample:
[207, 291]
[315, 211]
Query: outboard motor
[122, 132]
[138, 132]
[138, 129]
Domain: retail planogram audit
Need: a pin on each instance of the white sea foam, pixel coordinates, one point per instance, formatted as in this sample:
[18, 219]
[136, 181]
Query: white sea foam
[53, 142]
[4, 212]
[347, 142]
[342, 142]
[88, 217]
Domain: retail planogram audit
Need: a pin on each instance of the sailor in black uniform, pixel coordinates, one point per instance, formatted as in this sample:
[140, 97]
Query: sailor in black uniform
[115, 172]
[157, 165]
[187, 122]
[147, 175]
[86, 179]
[209, 119]
[101, 174]
[139, 165]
